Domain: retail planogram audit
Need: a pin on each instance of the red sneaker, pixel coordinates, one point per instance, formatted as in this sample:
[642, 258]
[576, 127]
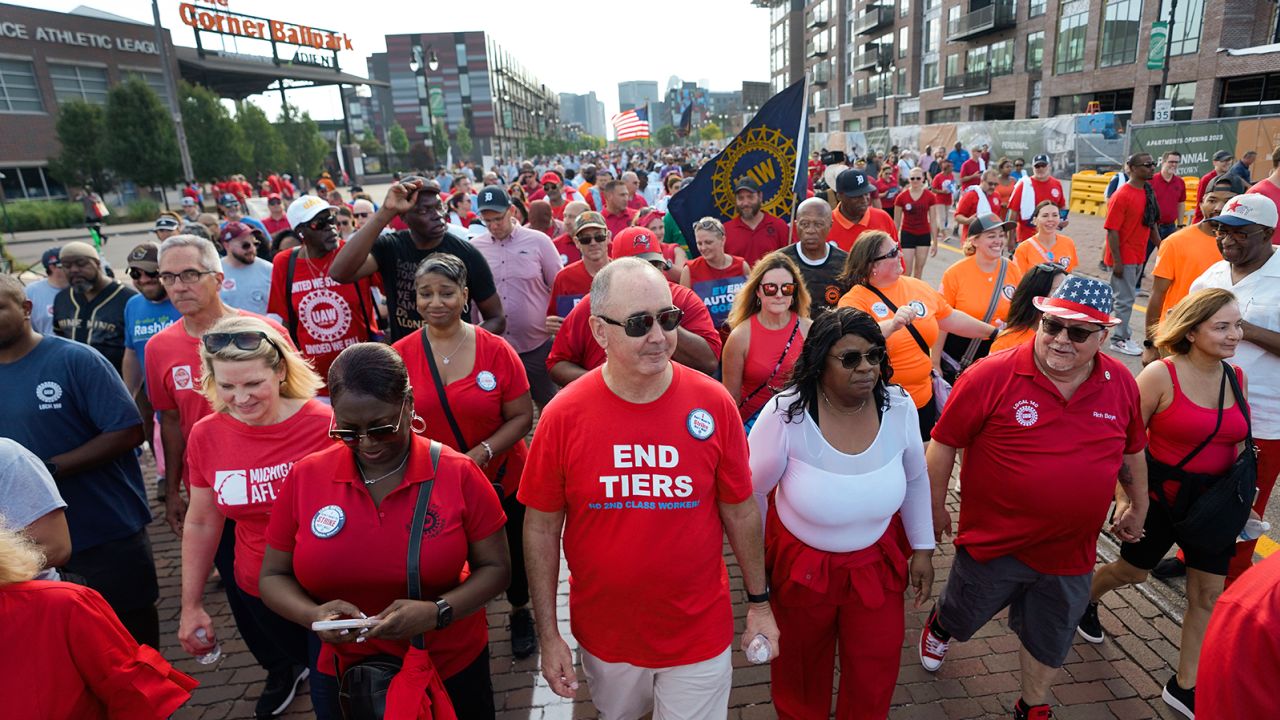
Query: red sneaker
[1022, 711]
[932, 648]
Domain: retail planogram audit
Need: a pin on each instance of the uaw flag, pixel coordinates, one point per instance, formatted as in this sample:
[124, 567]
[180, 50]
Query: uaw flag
[771, 150]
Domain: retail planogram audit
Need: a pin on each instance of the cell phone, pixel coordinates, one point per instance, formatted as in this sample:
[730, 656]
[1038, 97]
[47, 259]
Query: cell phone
[348, 624]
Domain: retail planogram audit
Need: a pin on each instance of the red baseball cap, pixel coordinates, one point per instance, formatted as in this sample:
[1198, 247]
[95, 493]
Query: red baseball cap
[637, 242]
[551, 177]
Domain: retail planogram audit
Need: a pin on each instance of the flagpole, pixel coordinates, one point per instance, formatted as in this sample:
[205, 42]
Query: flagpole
[802, 162]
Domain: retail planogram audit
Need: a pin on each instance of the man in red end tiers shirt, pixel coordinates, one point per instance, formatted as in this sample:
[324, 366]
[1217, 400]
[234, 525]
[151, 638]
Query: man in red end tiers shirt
[575, 350]
[1049, 425]
[1242, 635]
[1032, 190]
[644, 501]
[754, 233]
[1131, 225]
[853, 214]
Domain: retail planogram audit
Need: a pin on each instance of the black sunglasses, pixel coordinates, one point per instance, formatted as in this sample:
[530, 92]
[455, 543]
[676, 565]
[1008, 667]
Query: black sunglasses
[851, 359]
[321, 220]
[771, 289]
[137, 274]
[247, 341]
[1076, 333]
[380, 434]
[640, 324]
[593, 238]
[887, 256]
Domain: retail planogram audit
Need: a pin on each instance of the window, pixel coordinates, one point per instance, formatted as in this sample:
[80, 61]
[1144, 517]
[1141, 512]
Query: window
[953, 65]
[154, 80]
[30, 183]
[953, 16]
[1036, 8]
[1251, 95]
[930, 39]
[77, 82]
[904, 37]
[942, 115]
[929, 75]
[976, 61]
[1121, 20]
[902, 82]
[931, 4]
[1187, 24]
[852, 125]
[461, 50]
[1073, 25]
[904, 8]
[1183, 96]
[908, 118]
[18, 91]
[1002, 58]
[877, 121]
[464, 84]
[1035, 50]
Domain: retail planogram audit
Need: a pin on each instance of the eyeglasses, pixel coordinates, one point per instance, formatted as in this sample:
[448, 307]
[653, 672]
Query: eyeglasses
[550, 186]
[1076, 333]
[361, 214]
[380, 434]
[771, 289]
[186, 276]
[592, 238]
[137, 274]
[1227, 231]
[851, 359]
[321, 220]
[248, 341]
[887, 256]
[916, 179]
[1018, 165]
[1145, 164]
[274, 202]
[640, 324]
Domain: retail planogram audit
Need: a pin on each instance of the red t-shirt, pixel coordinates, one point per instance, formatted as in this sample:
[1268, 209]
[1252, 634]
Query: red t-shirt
[717, 288]
[968, 206]
[173, 372]
[570, 286]
[1038, 471]
[1168, 194]
[751, 245]
[1269, 189]
[345, 547]
[915, 211]
[476, 400]
[641, 494]
[274, 226]
[844, 232]
[1124, 215]
[328, 312]
[943, 185]
[247, 481]
[569, 252]
[970, 167]
[1201, 188]
[1049, 189]
[1241, 643]
[575, 343]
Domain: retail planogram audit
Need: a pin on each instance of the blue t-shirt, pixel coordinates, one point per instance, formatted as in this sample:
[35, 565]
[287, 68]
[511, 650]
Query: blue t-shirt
[144, 318]
[957, 158]
[247, 288]
[58, 397]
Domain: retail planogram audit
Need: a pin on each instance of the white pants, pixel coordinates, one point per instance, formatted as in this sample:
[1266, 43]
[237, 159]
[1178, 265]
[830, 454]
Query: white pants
[621, 691]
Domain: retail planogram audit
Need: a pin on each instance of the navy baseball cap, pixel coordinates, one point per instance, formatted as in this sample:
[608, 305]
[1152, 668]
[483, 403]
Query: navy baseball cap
[493, 198]
[50, 257]
[853, 183]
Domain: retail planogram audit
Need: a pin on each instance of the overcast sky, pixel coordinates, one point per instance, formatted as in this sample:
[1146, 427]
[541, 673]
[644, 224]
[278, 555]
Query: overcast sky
[572, 47]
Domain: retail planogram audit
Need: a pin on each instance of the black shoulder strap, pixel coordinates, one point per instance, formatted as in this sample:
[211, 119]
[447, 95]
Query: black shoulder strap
[924, 346]
[1241, 402]
[444, 399]
[415, 534]
[292, 320]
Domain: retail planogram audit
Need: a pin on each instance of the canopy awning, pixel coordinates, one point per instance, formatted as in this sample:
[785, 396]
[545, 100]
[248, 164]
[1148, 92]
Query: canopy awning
[239, 76]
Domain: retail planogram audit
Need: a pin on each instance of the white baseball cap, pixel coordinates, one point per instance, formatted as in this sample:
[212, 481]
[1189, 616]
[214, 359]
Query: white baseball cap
[1249, 209]
[305, 208]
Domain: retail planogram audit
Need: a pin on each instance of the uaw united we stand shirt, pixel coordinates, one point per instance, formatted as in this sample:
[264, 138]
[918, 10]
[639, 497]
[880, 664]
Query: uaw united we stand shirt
[640, 486]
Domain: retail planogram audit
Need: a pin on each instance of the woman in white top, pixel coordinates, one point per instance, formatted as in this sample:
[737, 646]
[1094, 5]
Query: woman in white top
[842, 448]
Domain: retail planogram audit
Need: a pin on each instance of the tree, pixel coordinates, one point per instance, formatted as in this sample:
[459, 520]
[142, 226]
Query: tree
[214, 139]
[465, 146]
[711, 131]
[141, 144]
[440, 141]
[665, 136]
[81, 129]
[420, 156]
[305, 149]
[369, 144]
[399, 139]
[267, 151]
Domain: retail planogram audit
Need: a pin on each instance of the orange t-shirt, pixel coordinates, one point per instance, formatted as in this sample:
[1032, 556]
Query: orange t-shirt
[844, 232]
[1182, 258]
[968, 289]
[911, 365]
[1031, 253]
[1011, 339]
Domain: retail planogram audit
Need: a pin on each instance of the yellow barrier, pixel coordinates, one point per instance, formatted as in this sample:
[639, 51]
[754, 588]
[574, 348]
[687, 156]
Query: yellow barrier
[1086, 192]
[1192, 182]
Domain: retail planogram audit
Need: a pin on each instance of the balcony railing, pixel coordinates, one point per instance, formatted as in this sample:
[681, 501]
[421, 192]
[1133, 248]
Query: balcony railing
[864, 101]
[969, 82]
[881, 54]
[820, 17]
[822, 73]
[817, 49]
[999, 15]
[876, 17]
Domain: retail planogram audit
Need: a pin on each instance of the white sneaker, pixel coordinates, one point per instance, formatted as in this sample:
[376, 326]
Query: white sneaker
[1126, 347]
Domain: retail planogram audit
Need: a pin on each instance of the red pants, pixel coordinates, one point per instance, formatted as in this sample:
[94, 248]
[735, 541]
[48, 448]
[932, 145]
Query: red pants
[820, 598]
[1268, 469]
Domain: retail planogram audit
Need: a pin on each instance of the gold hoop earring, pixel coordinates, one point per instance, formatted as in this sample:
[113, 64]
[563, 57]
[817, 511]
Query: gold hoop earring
[413, 424]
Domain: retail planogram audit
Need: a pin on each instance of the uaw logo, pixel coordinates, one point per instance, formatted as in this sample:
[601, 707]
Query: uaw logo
[764, 155]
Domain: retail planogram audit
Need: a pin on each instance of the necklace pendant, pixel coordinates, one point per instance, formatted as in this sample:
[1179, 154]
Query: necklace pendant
[445, 360]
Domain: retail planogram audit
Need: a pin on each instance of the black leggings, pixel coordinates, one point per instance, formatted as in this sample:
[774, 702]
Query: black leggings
[518, 591]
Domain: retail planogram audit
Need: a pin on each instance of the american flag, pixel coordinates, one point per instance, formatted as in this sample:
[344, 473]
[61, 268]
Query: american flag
[632, 124]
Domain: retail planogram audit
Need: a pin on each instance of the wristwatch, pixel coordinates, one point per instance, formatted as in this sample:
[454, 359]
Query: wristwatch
[444, 614]
[761, 598]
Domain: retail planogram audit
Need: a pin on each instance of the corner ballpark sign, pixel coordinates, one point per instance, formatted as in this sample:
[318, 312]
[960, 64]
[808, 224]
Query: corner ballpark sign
[227, 23]
[765, 155]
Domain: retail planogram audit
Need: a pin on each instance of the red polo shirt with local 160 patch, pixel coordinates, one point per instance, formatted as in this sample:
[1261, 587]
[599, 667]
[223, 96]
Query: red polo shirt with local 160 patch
[1039, 471]
[640, 486]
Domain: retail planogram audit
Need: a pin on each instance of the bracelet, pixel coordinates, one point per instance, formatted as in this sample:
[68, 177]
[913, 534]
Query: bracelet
[488, 449]
[761, 598]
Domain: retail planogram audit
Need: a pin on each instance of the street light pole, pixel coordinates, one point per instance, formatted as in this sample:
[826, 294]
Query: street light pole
[432, 63]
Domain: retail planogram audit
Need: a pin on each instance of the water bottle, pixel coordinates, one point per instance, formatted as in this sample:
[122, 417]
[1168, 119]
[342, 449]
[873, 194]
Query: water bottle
[1253, 530]
[758, 650]
[213, 655]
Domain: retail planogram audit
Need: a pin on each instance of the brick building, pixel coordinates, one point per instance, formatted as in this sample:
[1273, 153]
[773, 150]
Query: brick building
[874, 63]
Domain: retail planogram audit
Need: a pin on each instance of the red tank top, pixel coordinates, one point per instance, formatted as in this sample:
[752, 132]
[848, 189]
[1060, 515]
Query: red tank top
[1178, 429]
[762, 359]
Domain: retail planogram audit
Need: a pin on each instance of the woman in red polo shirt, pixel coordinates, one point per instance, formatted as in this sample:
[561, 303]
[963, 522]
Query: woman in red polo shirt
[770, 320]
[480, 406]
[265, 419]
[917, 223]
[900, 304]
[714, 275]
[338, 539]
